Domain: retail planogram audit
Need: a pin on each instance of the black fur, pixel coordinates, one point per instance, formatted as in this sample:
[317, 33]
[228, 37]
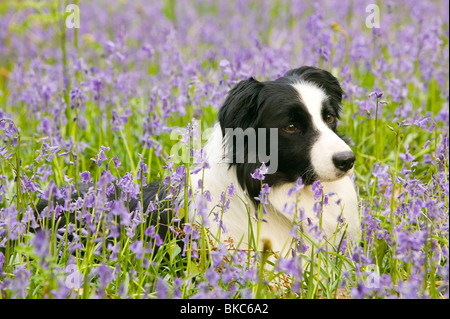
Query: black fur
[162, 216]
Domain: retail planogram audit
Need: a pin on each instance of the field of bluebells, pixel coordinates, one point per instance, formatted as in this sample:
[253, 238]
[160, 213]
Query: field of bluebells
[99, 104]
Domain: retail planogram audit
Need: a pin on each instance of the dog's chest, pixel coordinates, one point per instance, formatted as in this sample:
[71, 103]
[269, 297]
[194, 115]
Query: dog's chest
[240, 221]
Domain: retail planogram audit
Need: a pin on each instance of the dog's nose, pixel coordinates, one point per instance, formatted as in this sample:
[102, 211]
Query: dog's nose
[344, 160]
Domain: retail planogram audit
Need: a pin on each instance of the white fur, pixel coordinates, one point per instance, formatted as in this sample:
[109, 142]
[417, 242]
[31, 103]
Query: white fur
[328, 143]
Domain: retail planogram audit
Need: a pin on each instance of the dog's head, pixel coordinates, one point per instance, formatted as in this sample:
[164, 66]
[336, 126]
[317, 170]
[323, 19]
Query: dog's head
[303, 106]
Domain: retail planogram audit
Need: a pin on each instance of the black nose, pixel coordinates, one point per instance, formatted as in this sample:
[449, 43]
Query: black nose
[344, 160]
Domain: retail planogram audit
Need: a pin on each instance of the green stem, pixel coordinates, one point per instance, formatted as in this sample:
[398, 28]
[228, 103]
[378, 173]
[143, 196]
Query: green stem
[133, 166]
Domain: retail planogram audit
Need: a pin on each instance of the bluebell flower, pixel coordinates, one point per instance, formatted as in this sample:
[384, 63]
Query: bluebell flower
[85, 177]
[260, 172]
[41, 244]
[137, 248]
[151, 232]
[317, 188]
[161, 288]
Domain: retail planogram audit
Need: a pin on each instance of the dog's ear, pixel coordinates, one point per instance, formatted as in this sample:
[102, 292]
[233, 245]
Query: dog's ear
[241, 105]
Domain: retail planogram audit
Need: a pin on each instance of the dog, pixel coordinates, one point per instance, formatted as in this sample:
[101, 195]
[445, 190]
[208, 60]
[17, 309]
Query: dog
[302, 107]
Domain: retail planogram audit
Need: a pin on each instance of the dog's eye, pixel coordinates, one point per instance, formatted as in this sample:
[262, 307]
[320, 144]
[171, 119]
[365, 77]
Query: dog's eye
[291, 128]
[329, 119]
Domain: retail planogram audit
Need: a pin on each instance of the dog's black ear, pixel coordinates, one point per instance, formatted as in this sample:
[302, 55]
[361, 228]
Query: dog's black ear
[241, 105]
[322, 79]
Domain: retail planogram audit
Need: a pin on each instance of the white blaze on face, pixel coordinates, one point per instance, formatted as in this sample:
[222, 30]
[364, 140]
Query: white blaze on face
[328, 143]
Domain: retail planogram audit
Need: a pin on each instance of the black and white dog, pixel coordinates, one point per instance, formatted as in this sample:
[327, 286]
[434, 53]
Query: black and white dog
[303, 106]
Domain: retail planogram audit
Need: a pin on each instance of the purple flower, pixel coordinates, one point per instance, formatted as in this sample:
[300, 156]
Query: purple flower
[406, 157]
[101, 157]
[298, 186]
[317, 208]
[217, 256]
[142, 169]
[422, 122]
[226, 67]
[161, 288]
[191, 235]
[85, 177]
[118, 209]
[41, 245]
[118, 121]
[30, 185]
[291, 266]
[178, 283]
[151, 232]
[263, 197]
[378, 95]
[212, 277]
[138, 249]
[105, 275]
[20, 282]
[105, 180]
[116, 162]
[317, 188]
[114, 250]
[4, 151]
[201, 206]
[360, 292]
[128, 187]
[77, 98]
[260, 172]
[231, 190]
[9, 218]
[179, 175]
[2, 262]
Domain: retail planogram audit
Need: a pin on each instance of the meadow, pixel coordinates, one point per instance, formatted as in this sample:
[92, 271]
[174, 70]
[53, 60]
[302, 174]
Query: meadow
[100, 92]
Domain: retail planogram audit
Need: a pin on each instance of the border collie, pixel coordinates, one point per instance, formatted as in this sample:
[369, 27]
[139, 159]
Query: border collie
[303, 106]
